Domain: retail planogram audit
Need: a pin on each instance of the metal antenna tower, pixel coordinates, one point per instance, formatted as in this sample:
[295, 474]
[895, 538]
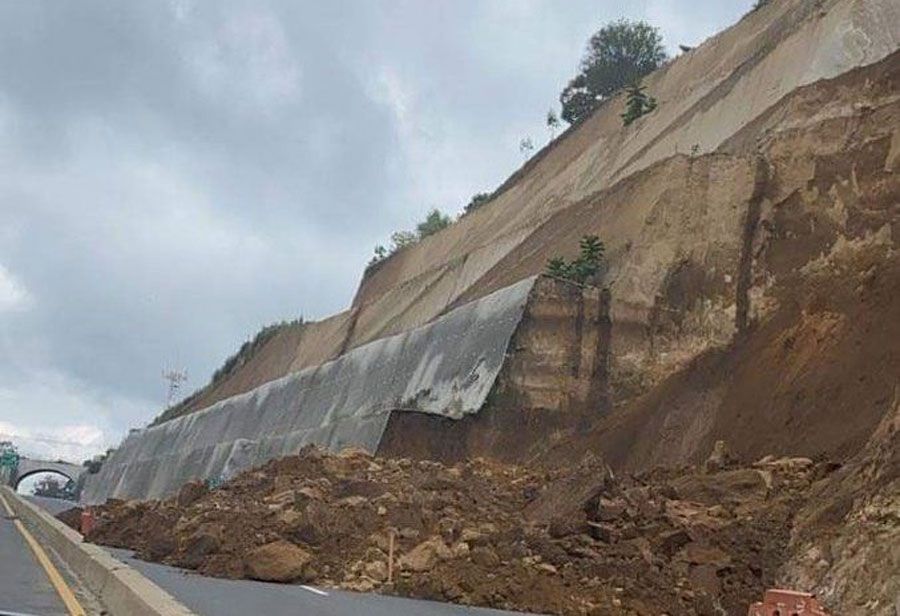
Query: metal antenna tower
[175, 378]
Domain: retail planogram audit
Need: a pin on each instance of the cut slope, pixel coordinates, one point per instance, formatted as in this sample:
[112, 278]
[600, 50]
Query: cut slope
[706, 97]
[340, 403]
[815, 267]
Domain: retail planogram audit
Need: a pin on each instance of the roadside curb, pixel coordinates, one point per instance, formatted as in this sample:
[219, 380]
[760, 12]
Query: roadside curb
[121, 589]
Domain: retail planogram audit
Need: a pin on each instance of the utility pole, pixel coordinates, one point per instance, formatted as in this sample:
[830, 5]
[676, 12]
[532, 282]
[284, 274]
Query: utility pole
[175, 378]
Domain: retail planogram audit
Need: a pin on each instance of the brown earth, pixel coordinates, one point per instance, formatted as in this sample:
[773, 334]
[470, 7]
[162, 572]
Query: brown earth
[846, 543]
[815, 379]
[579, 541]
[71, 518]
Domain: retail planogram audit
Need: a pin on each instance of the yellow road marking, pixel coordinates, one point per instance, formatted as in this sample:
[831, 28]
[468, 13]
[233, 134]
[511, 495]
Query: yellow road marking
[65, 593]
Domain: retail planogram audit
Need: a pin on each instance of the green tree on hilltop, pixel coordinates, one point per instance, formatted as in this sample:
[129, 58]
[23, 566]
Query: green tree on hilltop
[434, 222]
[620, 54]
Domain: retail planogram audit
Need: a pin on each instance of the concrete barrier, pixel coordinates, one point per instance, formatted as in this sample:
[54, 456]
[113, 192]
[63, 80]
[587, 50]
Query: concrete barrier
[121, 589]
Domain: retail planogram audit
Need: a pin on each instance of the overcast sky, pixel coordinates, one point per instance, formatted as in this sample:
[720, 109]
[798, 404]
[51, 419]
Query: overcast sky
[173, 175]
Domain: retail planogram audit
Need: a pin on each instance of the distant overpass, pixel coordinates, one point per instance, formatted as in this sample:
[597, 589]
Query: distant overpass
[28, 466]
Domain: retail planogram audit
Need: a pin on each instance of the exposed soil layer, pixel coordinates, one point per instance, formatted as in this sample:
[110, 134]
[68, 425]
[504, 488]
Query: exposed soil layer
[578, 541]
[815, 379]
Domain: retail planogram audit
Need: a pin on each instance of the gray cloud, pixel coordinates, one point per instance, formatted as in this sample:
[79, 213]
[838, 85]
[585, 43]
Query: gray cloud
[174, 175]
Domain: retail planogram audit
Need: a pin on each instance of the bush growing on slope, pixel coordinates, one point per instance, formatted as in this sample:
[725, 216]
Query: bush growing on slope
[585, 268]
[637, 104]
[434, 222]
[476, 202]
[235, 361]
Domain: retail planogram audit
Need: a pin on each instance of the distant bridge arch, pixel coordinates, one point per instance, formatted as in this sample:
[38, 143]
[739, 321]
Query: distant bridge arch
[28, 467]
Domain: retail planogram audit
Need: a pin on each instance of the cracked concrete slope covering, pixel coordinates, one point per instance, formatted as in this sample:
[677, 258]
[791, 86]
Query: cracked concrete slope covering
[706, 96]
[447, 367]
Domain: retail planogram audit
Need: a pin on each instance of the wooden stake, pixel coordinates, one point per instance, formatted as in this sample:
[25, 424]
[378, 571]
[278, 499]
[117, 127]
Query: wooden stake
[390, 556]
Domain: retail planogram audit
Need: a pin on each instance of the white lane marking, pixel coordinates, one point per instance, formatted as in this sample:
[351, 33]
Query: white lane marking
[314, 590]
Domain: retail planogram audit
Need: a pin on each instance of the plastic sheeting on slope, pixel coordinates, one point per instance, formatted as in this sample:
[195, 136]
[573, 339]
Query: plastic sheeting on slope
[447, 367]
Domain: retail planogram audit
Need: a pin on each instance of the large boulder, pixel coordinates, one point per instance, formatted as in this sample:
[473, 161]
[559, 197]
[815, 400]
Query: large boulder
[191, 492]
[425, 555]
[197, 547]
[278, 561]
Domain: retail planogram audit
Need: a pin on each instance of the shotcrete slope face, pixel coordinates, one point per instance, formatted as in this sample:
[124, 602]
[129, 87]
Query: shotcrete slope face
[705, 97]
[446, 368]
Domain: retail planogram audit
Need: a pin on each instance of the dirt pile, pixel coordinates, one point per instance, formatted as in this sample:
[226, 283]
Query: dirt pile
[577, 541]
[71, 518]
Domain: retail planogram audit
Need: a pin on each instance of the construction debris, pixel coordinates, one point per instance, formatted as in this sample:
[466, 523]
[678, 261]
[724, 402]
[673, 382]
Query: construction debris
[777, 602]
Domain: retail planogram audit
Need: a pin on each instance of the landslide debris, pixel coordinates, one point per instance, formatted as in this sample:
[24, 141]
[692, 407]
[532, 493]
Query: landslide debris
[846, 544]
[71, 518]
[567, 541]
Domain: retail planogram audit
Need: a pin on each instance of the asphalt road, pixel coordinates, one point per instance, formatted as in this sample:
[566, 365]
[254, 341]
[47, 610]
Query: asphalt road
[217, 597]
[24, 586]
